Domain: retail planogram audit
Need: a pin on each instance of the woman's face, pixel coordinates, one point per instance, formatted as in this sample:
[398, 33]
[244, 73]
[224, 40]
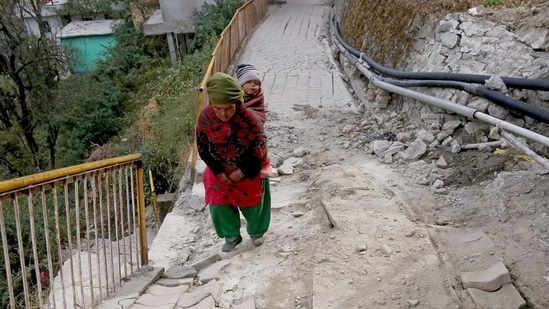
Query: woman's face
[224, 112]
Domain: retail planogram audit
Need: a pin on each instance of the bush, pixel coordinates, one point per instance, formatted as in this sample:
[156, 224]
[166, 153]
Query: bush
[491, 3]
[211, 19]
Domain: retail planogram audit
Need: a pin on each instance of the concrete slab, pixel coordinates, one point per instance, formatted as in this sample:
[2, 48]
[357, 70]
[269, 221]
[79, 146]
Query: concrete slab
[212, 272]
[159, 290]
[199, 265]
[170, 246]
[191, 299]
[130, 291]
[505, 298]
[487, 280]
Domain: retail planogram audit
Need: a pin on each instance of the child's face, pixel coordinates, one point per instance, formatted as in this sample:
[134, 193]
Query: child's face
[252, 87]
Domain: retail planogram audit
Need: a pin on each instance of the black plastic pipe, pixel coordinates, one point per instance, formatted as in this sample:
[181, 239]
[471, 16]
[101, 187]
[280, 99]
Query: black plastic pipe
[498, 98]
[510, 82]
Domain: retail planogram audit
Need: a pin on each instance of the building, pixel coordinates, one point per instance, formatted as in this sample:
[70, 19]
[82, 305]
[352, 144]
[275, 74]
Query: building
[174, 19]
[87, 41]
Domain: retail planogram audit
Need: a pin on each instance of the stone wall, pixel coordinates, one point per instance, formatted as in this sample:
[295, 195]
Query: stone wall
[510, 43]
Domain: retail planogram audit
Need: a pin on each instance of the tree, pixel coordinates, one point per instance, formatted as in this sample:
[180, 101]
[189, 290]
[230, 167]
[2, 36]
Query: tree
[30, 65]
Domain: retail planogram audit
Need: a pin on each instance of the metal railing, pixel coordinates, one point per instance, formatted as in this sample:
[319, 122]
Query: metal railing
[71, 236]
[241, 25]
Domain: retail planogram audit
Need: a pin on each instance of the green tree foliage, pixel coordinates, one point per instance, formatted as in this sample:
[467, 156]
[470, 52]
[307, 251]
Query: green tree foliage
[30, 65]
[212, 18]
[99, 104]
[92, 116]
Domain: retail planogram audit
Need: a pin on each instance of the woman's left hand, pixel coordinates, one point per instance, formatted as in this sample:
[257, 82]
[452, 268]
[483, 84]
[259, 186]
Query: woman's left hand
[236, 175]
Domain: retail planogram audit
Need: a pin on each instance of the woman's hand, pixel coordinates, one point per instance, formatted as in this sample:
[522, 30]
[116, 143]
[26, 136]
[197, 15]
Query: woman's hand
[222, 177]
[236, 176]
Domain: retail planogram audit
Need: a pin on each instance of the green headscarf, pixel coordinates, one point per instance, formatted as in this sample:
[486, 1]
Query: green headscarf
[223, 89]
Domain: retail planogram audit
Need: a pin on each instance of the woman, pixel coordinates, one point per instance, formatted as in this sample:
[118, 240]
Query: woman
[231, 141]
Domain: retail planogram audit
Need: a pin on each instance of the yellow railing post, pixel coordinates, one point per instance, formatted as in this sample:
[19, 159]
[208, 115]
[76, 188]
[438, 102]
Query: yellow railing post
[141, 215]
[153, 200]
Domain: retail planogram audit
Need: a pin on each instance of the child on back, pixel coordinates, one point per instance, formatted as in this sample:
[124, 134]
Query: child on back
[249, 79]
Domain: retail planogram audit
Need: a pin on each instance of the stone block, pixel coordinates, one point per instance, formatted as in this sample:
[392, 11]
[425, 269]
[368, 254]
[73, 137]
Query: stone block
[159, 290]
[188, 300]
[505, 298]
[487, 280]
[150, 300]
[175, 282]
[212, 272]
[179, 272]
[206, 303]
[206, 262]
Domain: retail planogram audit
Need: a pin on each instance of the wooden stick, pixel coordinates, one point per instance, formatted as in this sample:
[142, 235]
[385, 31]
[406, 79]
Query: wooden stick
[330, 218]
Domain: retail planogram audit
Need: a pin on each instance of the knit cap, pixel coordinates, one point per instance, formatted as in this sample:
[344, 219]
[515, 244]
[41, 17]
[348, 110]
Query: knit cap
[222, 88]
[246, 73]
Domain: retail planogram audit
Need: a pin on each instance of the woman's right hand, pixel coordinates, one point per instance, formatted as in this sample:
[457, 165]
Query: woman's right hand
[222, 177]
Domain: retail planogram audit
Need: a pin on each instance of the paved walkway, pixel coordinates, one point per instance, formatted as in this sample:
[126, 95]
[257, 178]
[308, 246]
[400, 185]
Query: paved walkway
[290, 48]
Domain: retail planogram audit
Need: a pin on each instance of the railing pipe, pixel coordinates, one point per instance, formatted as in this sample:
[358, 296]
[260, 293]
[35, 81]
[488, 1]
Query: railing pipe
[7, 186]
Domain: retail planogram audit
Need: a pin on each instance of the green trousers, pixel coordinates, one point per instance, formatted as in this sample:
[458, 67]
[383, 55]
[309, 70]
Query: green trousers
[226, 217]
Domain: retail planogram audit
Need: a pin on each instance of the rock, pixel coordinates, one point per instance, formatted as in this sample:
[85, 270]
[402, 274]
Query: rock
[480, 104]
[406, 137]
[180, 271]
[451, 125]
[442, 135]
[425, 136]
[346, 144]
[537, 38]
[497, 111]
[294, 162]
[412, 303]
[441, 163]
[455, 146]
[414, 151]
[395, 148]
[348, 128]
[487, 280]
[387, 158]
[496, 83]
[285, 169]
[299, 152]
[276, 160]
[441, 191]
[380, 146]
[438, 184]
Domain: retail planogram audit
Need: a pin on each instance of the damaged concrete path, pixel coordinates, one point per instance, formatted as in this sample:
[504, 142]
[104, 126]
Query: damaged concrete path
[347, 231]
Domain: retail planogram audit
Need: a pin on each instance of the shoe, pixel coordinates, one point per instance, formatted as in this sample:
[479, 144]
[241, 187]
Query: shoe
[230, 245]
[258, 241]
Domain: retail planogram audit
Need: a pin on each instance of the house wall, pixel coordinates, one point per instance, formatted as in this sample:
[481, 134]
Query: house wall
[53, 22]
[49, 15]
[88, 50]
[176, 10]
